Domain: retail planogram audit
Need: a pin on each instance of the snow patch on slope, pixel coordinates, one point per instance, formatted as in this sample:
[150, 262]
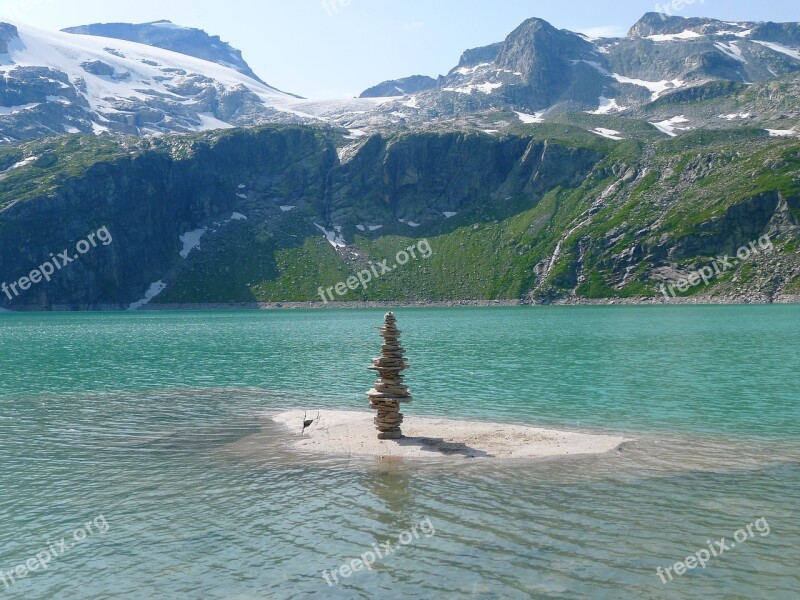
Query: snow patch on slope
[791, 52]
[13, 110]
[191, 241]
[656, 87]
[671, 37]
[607, 105]
[485, 88]
[782, 132]
[607, 133]
[471, 70]
[209, 121]
[529, 119]
[334, 236]
[155, 289]
[670, 125]
[731, 50]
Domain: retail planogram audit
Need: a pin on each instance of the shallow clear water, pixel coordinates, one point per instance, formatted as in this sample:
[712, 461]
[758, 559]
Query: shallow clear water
[156, 421]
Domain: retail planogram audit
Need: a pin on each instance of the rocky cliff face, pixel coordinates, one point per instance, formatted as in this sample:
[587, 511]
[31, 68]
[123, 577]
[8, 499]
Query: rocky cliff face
[272, 214]
[281, 177]
[8, 33]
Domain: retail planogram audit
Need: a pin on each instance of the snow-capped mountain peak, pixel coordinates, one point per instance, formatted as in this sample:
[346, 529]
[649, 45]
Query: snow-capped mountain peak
[171, 36]
[72, 83]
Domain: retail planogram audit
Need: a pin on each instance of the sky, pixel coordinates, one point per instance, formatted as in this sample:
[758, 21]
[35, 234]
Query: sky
[338, 48]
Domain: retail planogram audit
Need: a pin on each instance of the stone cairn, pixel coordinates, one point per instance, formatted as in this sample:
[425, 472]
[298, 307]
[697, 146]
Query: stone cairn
[389, 390]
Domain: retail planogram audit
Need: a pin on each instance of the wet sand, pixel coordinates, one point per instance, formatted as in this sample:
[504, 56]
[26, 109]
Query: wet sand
[347, 433]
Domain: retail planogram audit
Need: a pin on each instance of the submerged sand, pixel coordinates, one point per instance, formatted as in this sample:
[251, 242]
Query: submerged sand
[348, 433]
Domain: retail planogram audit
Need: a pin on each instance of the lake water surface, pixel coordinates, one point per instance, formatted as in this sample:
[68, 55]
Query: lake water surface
[156, 422]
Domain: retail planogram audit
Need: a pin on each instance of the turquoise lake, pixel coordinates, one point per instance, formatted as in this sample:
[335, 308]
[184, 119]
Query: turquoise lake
[158, 422]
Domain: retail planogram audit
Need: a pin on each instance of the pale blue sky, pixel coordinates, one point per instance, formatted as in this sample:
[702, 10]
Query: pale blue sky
[299, 46]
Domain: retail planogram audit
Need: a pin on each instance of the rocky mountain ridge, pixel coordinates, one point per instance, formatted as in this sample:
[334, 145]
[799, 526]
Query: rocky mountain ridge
[537, 74]
[546, 168]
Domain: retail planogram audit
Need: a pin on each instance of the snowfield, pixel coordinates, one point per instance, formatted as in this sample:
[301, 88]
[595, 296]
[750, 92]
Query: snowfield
[607, 105]
[607, 133]
[790, 52]
[670, 126]
[672, 37]
[656, 87]
[138, 75]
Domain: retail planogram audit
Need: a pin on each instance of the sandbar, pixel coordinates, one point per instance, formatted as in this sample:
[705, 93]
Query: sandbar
[351, 433]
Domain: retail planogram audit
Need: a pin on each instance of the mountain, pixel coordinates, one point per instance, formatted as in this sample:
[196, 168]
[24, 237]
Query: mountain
[550, 213]
[62, 83]
[539, 68]
[169, 36]
[65, 83]
[69, 82]
[549, 167]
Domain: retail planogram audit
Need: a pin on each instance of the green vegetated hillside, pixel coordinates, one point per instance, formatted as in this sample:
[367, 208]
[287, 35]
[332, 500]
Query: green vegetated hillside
[540, 213]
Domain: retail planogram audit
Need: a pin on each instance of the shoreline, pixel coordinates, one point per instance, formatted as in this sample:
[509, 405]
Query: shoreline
[743, 300]
[353, 434]
[573, 301]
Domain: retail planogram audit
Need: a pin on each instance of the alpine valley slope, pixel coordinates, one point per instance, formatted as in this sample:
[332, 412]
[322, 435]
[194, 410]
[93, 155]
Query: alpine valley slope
[570, 204]
[270, 214]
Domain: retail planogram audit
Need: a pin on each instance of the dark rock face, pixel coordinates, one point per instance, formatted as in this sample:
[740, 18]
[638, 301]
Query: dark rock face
[477, 56]
[8, 32]
[781, 33]
[148, 200]
[420, 177]
[400, 87]
[163, 34]
[551, 62]
[740, 224]
[98, 67]
[26, 85]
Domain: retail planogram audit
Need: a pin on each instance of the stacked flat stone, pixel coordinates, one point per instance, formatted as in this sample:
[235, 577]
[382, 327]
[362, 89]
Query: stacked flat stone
[389, 391]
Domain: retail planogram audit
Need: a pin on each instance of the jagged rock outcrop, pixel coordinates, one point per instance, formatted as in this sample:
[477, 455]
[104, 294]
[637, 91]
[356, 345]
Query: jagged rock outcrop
[477, 56]
[8, 33]
[401, 87]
